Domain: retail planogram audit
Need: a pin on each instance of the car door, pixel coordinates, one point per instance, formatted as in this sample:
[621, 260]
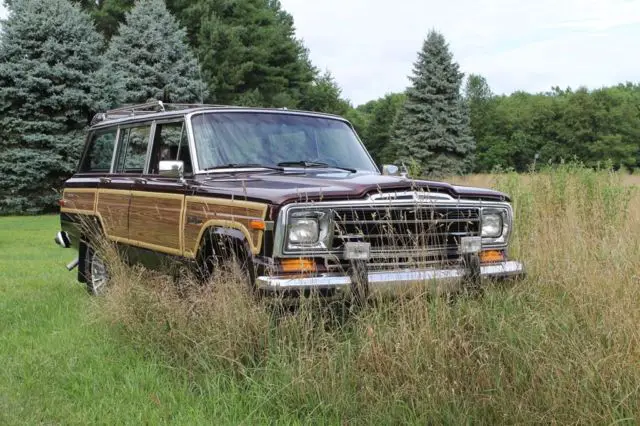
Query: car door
[114, 192]
[157, 202]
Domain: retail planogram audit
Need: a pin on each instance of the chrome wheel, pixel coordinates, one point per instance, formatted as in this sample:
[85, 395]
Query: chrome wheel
[98, 276]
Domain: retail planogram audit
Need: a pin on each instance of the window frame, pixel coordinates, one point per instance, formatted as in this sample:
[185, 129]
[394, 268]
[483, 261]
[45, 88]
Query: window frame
[169, 120]
[87, 147]
[119, 146]
[197, 170]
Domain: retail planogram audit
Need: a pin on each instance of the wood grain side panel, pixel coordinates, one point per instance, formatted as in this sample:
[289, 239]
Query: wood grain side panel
[156, 219]
[78, 200]
[113, 209]
[202, 213]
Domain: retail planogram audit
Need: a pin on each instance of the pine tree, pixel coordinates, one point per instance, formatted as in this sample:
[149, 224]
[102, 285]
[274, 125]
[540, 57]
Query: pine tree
[248, 51]
[149, 57]
[107, 14]
[49, 54]
[432, 128]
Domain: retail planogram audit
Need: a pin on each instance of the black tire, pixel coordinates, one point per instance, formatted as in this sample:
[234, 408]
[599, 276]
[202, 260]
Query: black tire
[225, 253]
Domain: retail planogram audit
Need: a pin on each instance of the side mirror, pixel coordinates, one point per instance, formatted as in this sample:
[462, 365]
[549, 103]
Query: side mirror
[390, 170]
[171, 169]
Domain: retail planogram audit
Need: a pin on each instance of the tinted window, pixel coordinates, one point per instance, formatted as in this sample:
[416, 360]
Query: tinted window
[100, 152]
[133, 144]
[170, 143]
[270, 138]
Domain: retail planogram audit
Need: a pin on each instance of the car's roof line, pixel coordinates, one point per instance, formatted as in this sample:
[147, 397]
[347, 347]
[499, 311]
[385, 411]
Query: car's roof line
[161, 115]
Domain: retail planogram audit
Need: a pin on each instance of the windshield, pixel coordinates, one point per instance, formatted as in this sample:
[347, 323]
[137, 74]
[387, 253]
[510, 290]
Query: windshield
[242, 138]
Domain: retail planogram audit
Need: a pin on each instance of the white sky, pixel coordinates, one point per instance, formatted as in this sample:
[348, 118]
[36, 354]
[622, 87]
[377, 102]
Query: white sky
[370, 45]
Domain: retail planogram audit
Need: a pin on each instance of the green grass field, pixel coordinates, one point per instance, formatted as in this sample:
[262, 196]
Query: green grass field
[563, 346]
[60, 365]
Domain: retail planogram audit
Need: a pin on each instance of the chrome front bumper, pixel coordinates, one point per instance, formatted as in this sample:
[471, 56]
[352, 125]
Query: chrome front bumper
[507, 269]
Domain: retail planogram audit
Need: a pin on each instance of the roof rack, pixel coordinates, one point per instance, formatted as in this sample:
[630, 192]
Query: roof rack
[147, 108]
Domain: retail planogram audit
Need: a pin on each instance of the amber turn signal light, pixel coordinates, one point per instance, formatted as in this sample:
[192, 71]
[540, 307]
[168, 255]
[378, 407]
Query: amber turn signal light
[298, 265]
[491, 256]
[258, 225]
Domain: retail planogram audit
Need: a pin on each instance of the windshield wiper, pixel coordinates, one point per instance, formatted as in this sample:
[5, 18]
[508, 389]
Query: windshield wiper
[244, 165]
[311, 164]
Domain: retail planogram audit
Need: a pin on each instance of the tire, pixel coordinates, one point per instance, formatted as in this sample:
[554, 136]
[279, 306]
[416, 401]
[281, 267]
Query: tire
[96, 272]
[230, 255]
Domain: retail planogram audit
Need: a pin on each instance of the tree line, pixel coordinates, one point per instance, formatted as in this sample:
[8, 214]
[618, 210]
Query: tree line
[598, 127]
[61, 61]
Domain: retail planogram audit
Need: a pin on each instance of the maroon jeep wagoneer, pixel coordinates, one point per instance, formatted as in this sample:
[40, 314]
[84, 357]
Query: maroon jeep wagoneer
[293, 195]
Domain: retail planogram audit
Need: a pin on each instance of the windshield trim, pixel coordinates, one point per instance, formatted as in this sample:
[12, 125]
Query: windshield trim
[194, 147]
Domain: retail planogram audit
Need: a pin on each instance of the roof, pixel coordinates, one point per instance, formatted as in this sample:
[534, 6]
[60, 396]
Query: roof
[160, 110]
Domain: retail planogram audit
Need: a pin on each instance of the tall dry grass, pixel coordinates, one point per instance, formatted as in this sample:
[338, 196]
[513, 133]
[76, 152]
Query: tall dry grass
[562, 346]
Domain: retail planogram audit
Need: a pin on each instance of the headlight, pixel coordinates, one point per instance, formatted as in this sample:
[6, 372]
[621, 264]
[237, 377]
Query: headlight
[304, 231]
[492, 225]
[308, 230]
[496, 225]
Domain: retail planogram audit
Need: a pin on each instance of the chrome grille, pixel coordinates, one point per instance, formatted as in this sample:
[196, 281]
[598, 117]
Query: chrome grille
[401, 234]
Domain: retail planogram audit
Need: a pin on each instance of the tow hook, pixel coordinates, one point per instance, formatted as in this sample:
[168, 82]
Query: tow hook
[73, 264]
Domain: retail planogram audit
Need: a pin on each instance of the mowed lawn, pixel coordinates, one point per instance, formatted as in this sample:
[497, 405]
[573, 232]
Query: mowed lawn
[60, 366]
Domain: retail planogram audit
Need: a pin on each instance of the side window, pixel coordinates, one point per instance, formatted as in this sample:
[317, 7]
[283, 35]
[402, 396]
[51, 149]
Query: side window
[133, 143]
[170, 143]
[100, 152]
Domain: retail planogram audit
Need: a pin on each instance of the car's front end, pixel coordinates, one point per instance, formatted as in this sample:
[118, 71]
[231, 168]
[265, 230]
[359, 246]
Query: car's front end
[390, 240]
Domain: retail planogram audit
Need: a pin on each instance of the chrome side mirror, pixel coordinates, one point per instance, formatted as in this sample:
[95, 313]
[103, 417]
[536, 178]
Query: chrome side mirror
[171, 169]
[390, 170]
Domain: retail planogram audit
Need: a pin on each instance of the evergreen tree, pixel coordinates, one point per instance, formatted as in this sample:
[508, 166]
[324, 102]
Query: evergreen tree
[150, 58]
[108, 14]
[248, 51]
[49, 54]
[433, 125]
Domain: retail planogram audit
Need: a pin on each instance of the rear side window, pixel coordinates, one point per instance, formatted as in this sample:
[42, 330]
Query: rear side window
[100, 152]
[134, 142]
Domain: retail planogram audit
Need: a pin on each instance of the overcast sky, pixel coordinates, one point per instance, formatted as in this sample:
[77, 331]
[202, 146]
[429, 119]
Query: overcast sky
[370, 45]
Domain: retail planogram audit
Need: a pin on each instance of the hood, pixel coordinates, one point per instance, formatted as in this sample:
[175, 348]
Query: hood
[325, 184]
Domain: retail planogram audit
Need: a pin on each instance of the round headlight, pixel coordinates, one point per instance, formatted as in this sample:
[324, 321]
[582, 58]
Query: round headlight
[492, 225]
[304, 231]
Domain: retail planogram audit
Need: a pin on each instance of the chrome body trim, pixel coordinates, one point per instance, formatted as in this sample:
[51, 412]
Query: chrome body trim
[506, 269]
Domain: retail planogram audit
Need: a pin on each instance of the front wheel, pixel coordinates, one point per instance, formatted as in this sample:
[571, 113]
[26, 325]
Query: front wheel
[230, 256]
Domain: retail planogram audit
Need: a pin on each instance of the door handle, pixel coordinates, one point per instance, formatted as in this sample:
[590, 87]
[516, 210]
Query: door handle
[105, 180]
[140, 180]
